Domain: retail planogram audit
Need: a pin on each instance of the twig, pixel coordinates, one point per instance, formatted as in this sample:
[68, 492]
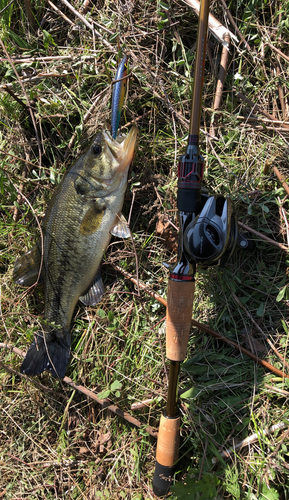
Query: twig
[6, 7]
[260, 330]
[59, 12]
[29, 12]
[101, 27]
[131, 207]
[222, 75]
[180, 117]
[276, 389]
[203, 327]
[221, 80]
[235, 26]
[21, 461]
[251, 439]
[257, 108]
[25, 93]
[88, 115]
[283, 215]
[19, 196]
[281, 92]
[84, 20]
[278, 51]
[27, 59]
[217, 29]
[85, 119]
[149, 33]
[40, 230]
[16, 98]
[275, 109]
[105, 403]
[85, 7]
[1, 314]
[31, 79]
[135, 120]
[203, 459]
[223, 164]
[23, 376]
[280, 178]
[20, 159]
[263, 237]
[262, 119]
[285, 301]
[136, 262]
[260, 127]
[144, 404]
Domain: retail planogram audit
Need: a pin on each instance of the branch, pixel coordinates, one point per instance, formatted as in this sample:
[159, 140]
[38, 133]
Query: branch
[279, 177]
[105, 403]
[203, 327]
[88, 25]
[251, 439]
[218, 30]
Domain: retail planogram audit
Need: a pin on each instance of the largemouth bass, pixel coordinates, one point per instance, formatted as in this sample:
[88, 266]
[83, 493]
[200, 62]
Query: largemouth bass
[84, 211]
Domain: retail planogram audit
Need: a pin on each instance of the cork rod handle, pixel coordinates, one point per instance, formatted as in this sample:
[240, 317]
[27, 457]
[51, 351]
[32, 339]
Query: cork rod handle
[178, 320]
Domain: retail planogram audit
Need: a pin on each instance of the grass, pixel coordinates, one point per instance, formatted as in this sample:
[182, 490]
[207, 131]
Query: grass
[55, 442]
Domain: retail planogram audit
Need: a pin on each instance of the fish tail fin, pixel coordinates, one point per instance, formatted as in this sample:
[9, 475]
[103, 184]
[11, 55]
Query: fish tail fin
[47, 353]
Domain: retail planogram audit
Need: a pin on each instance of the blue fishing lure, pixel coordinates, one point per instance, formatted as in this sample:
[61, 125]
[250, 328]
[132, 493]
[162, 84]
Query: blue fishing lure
[118, 93]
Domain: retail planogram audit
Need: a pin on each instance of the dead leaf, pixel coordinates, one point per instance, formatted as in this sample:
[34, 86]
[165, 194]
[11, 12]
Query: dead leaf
[83, 450]
[166, 231]
[100, 441]
[253, 344]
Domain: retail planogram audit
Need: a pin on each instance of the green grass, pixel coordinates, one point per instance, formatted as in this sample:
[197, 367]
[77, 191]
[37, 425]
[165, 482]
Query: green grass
[55, 442]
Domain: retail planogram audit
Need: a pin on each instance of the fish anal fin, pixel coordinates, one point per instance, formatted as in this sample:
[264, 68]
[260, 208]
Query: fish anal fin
[94, 294]
[26, 269]
[121, 228]
[50, 353]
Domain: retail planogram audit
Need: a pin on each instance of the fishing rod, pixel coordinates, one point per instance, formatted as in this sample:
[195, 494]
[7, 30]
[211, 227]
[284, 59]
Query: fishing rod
[181, 283]
[208, 235]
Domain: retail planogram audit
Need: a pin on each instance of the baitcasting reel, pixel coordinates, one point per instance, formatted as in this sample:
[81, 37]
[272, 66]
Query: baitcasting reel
[211, 237]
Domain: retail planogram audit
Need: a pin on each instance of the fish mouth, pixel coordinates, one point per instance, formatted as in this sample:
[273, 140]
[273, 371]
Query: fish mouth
[121, 148]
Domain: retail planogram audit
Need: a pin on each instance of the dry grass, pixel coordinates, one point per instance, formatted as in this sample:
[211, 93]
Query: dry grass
[55, 442]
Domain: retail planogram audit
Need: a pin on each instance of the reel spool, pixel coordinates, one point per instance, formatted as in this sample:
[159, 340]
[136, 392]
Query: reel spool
[211, 237]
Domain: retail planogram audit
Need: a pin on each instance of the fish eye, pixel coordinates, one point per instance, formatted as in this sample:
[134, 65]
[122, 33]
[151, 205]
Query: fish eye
[96, 149]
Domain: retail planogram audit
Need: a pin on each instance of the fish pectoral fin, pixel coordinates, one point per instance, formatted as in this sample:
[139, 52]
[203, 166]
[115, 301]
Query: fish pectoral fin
[27, 266]
[94, 294]
[121, 228]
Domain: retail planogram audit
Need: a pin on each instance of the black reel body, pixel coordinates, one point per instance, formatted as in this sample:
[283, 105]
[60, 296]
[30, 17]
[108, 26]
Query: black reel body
[208, 224]
[211, 237]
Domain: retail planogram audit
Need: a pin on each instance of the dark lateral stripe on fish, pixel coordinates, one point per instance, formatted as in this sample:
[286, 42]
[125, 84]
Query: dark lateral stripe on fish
[118, 92]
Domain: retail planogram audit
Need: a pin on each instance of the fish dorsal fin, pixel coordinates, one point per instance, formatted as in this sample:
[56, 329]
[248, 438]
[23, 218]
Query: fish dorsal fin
[94, 294]
[26, 269]
[121, 228]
